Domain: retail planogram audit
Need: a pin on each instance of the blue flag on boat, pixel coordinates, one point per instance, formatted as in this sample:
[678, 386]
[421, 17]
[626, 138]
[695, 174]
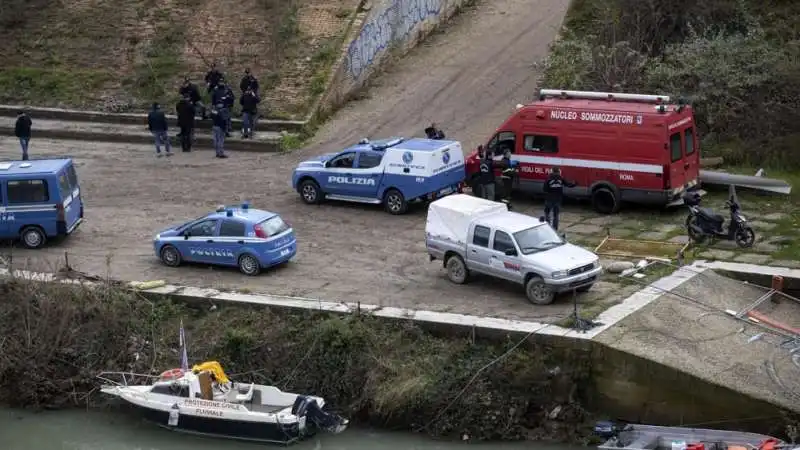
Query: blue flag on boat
[184, 357]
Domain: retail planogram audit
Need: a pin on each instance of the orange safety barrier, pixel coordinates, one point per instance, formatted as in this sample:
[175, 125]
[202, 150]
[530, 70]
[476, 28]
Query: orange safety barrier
[763, 318]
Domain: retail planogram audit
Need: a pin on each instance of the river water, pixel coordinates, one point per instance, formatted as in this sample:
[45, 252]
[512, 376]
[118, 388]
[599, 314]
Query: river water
[81, 430]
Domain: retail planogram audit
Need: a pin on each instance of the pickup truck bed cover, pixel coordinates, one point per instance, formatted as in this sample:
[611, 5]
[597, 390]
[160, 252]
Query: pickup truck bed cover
[449, 217]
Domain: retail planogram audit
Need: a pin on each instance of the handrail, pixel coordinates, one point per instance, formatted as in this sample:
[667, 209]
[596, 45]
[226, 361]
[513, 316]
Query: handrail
[125, 375]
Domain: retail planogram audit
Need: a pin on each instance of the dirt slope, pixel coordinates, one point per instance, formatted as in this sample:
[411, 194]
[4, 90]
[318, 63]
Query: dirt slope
[468, 78]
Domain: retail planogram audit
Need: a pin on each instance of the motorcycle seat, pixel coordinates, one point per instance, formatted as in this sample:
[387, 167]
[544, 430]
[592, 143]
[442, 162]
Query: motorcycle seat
[711, 215]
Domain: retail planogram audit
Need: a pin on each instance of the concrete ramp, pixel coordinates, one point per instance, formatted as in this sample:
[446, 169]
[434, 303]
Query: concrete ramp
[689, 329]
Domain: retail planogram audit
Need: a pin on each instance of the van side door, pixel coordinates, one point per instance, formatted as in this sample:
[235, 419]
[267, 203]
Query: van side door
[368, 172]
[478, 253]
[29, 202]
[504, 258]
[5, 223]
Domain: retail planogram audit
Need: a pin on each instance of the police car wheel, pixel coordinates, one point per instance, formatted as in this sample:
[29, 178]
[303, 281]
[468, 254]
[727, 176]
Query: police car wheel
[395, 203]
[170, 256]
[309, 192]
[249, 265]
[537, 292]
[33, 237]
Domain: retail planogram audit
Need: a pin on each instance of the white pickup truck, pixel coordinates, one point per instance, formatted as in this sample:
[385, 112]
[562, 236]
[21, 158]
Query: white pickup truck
[473, 235]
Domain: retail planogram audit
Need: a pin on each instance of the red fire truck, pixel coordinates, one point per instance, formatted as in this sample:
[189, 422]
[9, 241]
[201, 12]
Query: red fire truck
[616, 147]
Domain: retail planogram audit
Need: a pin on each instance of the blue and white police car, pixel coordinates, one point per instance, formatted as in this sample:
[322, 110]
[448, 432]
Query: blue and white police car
[392, 172]
[250, 239]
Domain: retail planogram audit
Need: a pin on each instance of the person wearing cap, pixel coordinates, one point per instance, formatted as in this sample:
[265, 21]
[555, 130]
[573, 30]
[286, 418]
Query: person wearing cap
[186, 113]
[213, 78]
[157, 124]
[487, 176]
[22, 130]
[219, 122]
[554, 196]
[189, 89]
[249, 102]
[248, 83]
[433, 132]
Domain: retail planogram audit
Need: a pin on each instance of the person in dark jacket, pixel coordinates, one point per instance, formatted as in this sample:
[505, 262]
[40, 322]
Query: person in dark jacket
[487, 177]
[248, 83]
[213, 78]
[249, 102]
[433, 132]
[22, 130]
[157, 124]
[554, 195]
[218, 94]
[186, 113]
[189, 89]
[228, 100]
[219, 122]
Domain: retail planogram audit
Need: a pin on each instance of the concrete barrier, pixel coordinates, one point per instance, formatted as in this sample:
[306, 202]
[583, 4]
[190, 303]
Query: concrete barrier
[73, 115]
[269, 144]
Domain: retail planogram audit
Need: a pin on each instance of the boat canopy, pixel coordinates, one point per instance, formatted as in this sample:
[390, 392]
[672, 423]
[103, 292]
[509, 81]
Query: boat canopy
[215, 368]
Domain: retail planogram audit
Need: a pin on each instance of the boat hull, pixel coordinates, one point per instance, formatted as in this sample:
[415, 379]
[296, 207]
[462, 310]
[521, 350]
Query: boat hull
[224, 428]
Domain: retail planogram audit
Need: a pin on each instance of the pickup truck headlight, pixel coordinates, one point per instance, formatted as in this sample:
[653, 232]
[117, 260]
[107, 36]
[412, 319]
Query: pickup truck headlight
[558, 274]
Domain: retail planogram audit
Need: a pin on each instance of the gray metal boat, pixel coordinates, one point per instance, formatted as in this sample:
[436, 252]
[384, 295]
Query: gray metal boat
[650, 437]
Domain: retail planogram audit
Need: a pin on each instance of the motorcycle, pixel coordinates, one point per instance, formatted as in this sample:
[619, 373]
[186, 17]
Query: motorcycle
[704, 223]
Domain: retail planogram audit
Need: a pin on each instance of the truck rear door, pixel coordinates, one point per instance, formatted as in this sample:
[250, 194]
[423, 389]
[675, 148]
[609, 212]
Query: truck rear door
[677, 162]
[691, 156]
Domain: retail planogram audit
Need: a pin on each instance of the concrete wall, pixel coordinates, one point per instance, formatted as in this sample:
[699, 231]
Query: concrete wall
[384, 28]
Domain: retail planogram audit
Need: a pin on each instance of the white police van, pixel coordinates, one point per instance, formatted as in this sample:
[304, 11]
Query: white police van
[392, 172]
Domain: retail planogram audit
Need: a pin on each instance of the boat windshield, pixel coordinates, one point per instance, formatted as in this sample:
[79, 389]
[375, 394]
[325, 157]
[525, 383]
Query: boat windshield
[537, 239]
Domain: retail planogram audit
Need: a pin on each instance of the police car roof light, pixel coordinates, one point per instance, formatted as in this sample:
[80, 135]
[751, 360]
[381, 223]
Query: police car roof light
[245, 206]
[229, 213]
[387, 143]
[608, 96]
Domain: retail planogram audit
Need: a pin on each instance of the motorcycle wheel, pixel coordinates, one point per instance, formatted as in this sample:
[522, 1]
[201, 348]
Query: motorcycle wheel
[691, 222]
[745, 237]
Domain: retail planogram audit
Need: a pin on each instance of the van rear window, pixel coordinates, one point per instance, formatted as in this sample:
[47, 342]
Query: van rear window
[63, 186]
[689, 138]
[73, 177]
[541, 144]
[675, 147]
[27, 191]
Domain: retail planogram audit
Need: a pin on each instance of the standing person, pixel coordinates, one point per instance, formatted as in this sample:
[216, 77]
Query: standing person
[22, 130]
[213, 78]
[157, 124]
[228, 100]
[487, 177]
[189, 89]
[186, 114]
[248, 83]
[433, 132]
[554, 195]
[249, 102]
[219, 123]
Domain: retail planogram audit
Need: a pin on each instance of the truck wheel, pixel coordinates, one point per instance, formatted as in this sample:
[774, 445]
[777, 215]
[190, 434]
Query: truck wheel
[310, 192]
[394, 202]
[457, 270]
[537, 291]
[605, 201]
[32, 237]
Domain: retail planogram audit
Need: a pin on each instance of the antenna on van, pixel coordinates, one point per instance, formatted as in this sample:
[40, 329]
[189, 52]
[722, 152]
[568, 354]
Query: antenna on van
[607, 96]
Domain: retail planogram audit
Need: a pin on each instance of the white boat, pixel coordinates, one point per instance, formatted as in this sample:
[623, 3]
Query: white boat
[204, 401]
[651, 437]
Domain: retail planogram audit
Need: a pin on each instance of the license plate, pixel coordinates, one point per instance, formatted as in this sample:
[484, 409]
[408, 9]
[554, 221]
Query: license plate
[446, 191]
[285, 252]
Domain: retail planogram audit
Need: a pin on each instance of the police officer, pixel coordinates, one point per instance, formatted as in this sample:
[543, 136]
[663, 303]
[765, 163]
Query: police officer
[248, 83]
[213, 78]
[433, 132]
[189, 89]
[487, 180]
[219, 122]
[554, 195]
[228, 101]
[186, 112]
[249, 102]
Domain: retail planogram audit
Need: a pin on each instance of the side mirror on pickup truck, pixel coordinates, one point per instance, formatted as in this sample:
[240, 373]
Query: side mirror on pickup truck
[510, 252]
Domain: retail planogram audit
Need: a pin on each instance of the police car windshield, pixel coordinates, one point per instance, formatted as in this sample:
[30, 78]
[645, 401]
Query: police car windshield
[274, 226]
[537, 239]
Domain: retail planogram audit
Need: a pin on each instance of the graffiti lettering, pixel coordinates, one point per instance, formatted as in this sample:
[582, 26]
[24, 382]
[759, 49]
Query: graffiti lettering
[394, 24]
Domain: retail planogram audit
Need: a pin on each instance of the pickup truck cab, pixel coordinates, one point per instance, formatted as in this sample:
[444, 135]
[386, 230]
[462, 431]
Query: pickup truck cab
[390, 172]
[473, 235]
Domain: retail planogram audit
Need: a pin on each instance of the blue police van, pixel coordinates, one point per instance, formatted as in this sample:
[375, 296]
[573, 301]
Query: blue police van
[390, 172]
[250, 239]
[39, 200]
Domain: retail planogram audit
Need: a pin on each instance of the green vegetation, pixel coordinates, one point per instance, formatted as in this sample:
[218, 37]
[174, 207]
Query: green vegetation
[57, 337]
[737, 62]
[153, 78]
[32, 84]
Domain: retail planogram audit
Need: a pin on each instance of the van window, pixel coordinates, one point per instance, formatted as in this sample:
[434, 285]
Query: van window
[368, 160]
[27, 191]
[73, 177]
[502, 141]
[675, 147]
[232, 228]
[541, 143]
[689, 141]
[63, 186]
[502, 242]
[481, 236]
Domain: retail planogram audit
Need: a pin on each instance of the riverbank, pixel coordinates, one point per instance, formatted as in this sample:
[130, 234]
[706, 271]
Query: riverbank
[391, 375]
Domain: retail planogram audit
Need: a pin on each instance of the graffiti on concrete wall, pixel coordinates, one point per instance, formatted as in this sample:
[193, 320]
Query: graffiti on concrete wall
[393, 24]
